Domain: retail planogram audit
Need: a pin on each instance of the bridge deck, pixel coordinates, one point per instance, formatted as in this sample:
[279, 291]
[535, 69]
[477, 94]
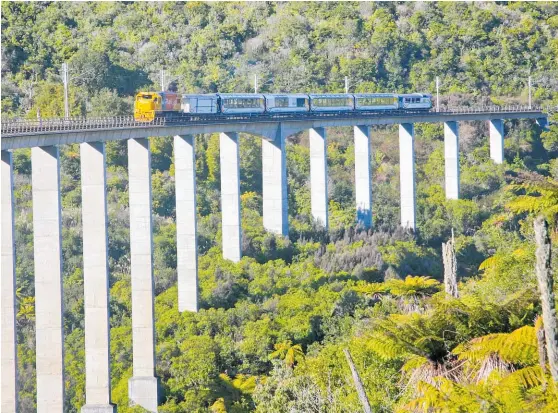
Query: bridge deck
[22, 134]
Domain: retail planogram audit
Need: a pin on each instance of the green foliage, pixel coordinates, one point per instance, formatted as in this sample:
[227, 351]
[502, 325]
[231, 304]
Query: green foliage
[271, 328]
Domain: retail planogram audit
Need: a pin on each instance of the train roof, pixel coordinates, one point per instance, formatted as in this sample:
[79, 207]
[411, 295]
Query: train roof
[369, 95]
[330, 95]
[286, 94]
[241, 95]
[414, 95]
[195, 95]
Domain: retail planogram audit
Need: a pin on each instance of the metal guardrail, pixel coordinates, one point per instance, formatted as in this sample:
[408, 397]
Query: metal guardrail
[30, 126]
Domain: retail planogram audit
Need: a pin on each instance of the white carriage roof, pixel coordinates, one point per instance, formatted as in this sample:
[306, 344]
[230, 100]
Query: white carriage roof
[241, 95]
[366, 95]
[331, 95]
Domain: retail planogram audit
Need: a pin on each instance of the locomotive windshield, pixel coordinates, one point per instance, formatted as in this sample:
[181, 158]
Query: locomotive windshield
[145, 97]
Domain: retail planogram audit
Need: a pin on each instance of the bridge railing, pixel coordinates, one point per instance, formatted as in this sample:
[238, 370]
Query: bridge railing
[490, 109]
[22, 126]
[73, 124]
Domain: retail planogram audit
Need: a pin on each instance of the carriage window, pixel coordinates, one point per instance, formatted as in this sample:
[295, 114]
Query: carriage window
[282, 102]
[377, 101]
[332, 101]
[243, 103]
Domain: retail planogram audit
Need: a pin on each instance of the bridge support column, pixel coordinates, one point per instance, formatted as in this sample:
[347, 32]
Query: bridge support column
[496, 127]
[186, 222]
[543, 123]
[143, 387]
[451, 149]
[318, 175]
[95, 279]
[407, 174]
[274, 173]
[363, 179]
[230, 196]
[45, 163]
[7, 291]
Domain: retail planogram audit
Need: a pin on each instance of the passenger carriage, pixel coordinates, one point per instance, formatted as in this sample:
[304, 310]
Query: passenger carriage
[376, 101]
[331, 102]
[415, 101]
[275, 103]
[200, 103]
[242, 103]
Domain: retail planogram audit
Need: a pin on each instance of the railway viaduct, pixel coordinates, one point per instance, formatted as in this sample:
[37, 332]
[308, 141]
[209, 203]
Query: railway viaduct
[44, 139]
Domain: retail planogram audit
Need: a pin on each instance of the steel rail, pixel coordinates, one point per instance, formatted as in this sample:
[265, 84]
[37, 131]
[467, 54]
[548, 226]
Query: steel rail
[76, 124]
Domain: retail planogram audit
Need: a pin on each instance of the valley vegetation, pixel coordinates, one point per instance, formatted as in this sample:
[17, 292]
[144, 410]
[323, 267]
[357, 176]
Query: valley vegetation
[271, 332]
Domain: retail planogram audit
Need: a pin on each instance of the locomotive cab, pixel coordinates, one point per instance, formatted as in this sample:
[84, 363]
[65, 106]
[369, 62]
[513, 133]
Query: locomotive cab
[146, 105]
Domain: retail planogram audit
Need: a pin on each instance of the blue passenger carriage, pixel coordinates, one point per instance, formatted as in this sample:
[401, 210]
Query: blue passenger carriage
[275, 103]
[242, 103]
[376, 101]
[206, 103]
[331, 102]
[415, 101]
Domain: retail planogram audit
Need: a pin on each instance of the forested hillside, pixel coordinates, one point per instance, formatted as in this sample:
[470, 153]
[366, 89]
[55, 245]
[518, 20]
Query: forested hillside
[272, 329]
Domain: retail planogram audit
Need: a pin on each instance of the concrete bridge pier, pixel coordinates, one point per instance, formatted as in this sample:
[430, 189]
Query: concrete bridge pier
[451, 158]
[95, 279]
[274, 175]
[186, 222]
[143, 387]
[407, 175]
[45, 176]
[230, 196]
[8, 360]
[363, 178]
[543, 123]
[318, 175]
[496, 127]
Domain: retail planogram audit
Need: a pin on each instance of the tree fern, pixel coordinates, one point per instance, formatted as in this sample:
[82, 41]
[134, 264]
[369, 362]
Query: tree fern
[518, 347]
[541, 196]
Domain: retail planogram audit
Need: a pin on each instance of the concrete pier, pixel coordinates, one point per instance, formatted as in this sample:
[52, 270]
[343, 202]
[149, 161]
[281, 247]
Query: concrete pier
[451, 159]
[496, 127]
[8, 376]
[95, 279]
[45, 163]
[186, 222]
[318, 175]
[274, 175]
[230, 196]
[363, 178]
[407, 174]
[543, 123]
[143, 387]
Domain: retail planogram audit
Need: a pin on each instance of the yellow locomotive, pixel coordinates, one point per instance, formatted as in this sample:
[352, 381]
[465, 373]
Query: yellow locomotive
[151, 105]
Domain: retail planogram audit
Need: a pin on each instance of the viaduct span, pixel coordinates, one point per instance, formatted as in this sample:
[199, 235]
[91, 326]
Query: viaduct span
[44, 139]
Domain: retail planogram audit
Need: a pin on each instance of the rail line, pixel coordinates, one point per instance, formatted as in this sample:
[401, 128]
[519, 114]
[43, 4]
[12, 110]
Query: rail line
[16, 126]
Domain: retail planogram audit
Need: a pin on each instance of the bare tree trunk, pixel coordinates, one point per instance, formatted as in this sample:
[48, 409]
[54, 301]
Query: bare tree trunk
[358, 383]
[539, 329]
[450, 267]
[543, 270]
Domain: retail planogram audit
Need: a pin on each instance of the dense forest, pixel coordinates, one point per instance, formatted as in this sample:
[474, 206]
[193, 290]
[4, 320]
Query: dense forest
[272, 329]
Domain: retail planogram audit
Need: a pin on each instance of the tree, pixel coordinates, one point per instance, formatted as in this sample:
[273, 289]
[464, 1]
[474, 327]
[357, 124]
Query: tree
[545, 281]
[450, 267]
[290, 353]
[358, 383]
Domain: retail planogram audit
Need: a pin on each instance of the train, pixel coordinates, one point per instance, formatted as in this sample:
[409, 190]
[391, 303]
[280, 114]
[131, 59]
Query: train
[151, 105]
